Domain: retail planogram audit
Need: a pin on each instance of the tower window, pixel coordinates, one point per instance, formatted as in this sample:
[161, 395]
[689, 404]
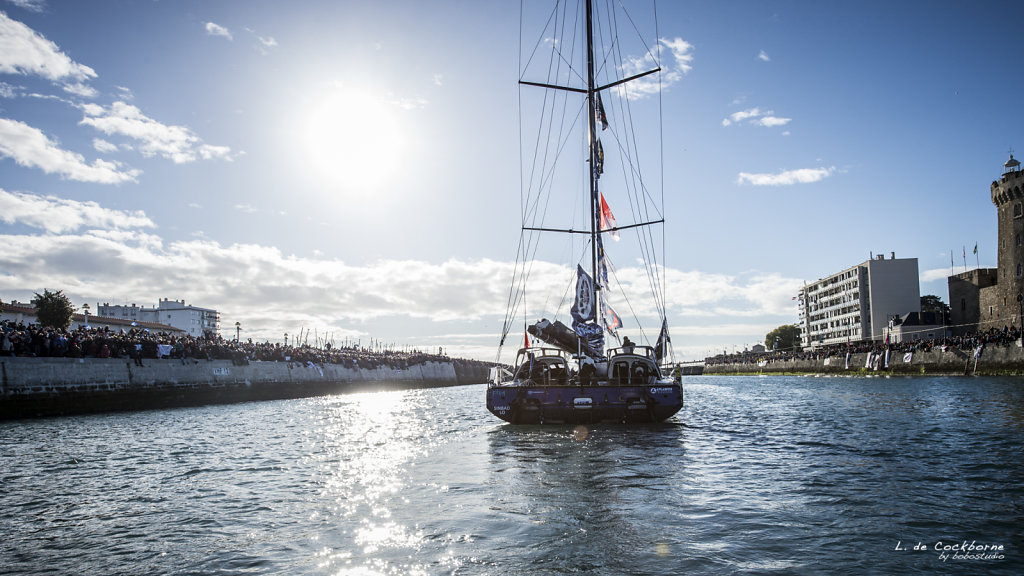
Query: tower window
[1018, 238]
[1017, 212]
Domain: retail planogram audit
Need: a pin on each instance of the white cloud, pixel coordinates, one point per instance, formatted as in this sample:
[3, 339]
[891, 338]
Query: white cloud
[102, 145]
[935, 274]
[680, 50]
[30, 148]
[125, 94]
[175, 143]
[217, 30]
[671, 73]
[32, 5]
[787, 178]
[741, 115]
[263, 43]
[771, 121]
[59, 215]
[756, 117]
[763, 56]
[81, 89]
[23, 51]
[273, 292]
[8, 91]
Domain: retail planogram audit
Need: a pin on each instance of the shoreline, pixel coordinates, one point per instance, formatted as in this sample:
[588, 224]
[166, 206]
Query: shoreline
[994, 360]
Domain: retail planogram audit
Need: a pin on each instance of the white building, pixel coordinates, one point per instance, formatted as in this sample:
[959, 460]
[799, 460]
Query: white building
[193, 320]
[858, 303]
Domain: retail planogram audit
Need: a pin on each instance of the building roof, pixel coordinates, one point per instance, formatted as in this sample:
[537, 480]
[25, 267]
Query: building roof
[917, 319]
[94, 321]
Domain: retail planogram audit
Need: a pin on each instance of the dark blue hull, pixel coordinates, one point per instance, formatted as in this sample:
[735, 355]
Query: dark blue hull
[522, 404]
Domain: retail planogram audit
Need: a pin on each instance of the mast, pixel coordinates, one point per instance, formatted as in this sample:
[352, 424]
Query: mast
[592, 128]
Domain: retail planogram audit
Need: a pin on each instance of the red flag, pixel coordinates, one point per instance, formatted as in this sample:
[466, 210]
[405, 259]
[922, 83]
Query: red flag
[526, 339]
[607, 219]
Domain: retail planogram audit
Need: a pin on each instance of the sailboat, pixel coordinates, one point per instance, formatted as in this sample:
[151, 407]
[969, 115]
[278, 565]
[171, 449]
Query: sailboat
[582, 372]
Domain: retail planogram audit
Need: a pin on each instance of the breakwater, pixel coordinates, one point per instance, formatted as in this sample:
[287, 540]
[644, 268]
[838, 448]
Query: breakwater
[995, 360]
[33, 387]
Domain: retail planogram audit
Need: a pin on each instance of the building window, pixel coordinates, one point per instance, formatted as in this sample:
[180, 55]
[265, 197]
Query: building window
[1018, 270]
[1018, 238]
[963, 304]
[1017, 210]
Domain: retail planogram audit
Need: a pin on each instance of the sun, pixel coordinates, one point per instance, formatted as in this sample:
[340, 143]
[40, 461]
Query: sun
[353, 141]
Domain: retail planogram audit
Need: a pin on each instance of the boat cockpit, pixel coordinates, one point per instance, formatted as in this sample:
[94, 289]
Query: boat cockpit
[624, 366]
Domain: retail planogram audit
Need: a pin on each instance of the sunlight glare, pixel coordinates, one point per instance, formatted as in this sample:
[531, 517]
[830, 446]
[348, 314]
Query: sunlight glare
[353, 140]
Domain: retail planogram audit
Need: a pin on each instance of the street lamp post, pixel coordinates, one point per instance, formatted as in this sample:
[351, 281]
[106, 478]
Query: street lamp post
[285, 338]
[238, 330]
[85, 313]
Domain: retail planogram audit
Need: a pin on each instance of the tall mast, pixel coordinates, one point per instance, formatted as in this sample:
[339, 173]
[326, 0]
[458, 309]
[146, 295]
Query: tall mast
[592, 127]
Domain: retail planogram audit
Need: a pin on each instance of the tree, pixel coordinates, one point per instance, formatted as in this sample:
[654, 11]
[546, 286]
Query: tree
[788, 336]
[932, 303]
[53, 309]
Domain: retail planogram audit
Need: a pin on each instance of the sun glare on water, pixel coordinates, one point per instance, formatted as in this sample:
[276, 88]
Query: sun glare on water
[353, 141]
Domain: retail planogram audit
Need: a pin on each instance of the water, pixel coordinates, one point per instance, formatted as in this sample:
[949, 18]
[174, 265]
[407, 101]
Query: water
[778, 475]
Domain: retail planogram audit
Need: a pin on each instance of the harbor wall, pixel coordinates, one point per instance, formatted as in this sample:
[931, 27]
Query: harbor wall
[33, 387]
[994, 361]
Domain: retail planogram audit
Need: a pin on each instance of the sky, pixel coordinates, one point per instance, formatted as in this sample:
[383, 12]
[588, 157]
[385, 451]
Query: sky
[352, 168]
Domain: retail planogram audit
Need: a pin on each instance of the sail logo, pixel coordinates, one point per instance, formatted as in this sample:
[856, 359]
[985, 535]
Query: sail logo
[583, 308]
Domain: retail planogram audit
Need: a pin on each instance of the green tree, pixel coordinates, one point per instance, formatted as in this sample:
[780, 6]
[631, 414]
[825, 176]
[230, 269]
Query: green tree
[932, 303]
[788, 336]
[53, 309]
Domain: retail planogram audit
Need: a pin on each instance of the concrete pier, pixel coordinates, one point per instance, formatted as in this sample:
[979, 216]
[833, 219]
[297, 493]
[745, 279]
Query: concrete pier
[34, 387]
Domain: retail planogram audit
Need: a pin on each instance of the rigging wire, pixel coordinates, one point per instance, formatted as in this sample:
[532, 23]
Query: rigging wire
[551, 139]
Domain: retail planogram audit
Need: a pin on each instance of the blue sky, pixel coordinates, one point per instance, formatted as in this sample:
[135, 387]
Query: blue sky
[350, 167]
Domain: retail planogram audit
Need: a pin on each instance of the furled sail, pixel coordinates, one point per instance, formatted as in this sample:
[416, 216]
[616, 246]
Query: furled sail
[562, 337]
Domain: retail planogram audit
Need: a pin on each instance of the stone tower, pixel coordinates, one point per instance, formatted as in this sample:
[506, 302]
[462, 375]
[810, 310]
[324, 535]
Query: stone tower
[1008, 196]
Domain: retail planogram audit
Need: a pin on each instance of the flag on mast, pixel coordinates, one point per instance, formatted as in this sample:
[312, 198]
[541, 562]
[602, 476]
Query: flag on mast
[601, 116]
[608, 219]
[612, 322]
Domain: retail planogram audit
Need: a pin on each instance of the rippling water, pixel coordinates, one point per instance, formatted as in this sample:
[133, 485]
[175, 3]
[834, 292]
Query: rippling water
[754, 476]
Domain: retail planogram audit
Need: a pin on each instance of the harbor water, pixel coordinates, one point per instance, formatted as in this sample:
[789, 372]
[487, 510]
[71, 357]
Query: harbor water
[756, 475]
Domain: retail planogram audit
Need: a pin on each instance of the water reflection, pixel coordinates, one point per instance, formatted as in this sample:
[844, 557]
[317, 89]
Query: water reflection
[585, 496]
[364, 444]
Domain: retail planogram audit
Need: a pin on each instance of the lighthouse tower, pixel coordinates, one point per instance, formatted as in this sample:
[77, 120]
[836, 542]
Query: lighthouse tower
[1008, 196]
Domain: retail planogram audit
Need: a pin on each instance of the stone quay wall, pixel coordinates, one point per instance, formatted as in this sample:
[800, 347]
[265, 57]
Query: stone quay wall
[994, 361]
[34, 387]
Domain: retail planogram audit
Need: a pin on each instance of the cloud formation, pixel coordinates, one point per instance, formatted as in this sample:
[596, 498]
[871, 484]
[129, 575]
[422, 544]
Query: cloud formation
[786, 178]
[25, 52]
[32, 5]
[756, 117]
[278, 292]
[31, 148]
[217, 30]
[176, 143]
[59, 215]
[671, 73]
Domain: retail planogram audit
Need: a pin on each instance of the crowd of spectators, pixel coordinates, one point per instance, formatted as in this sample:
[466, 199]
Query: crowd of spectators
[1008, 335]
[139, 344]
